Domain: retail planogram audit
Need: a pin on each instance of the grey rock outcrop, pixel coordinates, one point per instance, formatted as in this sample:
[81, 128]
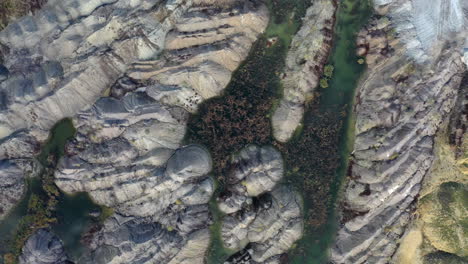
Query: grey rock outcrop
[141, 240]
[304, 65]
[12, 186]
[161, 212]
[400, 106]
[43, 247]
[256, 171]
[268, 227]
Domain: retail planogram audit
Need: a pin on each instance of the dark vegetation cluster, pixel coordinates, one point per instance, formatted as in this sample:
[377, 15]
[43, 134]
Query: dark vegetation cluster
[11, 9]
[281, 9]
[312, 160]
[241, 116]
[313, 156]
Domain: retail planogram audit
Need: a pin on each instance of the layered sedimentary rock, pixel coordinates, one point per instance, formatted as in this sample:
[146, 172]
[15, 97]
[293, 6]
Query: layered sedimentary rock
[269, 226]
[304, 65]
[423, 27]
[400, 106]
[439, 234]
[128, 73]
[256, 171]
[43, 248]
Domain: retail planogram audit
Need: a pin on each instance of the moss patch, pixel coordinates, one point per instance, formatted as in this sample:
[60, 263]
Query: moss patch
[444, 214]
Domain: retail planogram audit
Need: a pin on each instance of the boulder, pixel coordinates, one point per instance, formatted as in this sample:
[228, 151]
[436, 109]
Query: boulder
[43, 247]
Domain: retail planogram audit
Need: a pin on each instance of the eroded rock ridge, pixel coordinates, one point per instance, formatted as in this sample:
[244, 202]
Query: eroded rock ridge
[401, 104]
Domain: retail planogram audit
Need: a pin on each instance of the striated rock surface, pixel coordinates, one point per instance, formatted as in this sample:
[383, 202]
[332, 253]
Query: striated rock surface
[268, 229]
[400, 106]
[141, 190]
[268, 226]
[438, 234]
[304, 65]
[256, 170]
[43, 248]
[424, 28]
[141, 240]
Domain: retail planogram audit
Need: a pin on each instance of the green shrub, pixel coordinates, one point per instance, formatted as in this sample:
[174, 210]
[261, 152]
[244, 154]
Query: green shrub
[323, 83]
[106, 212]
[328, 71]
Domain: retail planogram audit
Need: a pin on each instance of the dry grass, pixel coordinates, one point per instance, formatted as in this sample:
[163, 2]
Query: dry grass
[409, 252]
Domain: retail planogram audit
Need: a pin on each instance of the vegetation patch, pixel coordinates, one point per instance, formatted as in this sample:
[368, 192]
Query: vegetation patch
[12, 9]
[327, 75]
[46, 206]
[444, 214]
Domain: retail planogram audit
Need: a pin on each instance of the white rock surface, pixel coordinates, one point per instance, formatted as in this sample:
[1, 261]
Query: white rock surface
[257, 170]
[268, 230]
[304, 65]
[425, 25]
[12, 186]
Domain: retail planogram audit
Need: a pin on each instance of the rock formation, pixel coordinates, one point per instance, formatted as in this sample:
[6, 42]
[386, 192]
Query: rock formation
[438, 234]
[256, 171]
[272, 223]
[304, 65]
[424, 28]
[43, 248]
[128, 73]
[401, 103]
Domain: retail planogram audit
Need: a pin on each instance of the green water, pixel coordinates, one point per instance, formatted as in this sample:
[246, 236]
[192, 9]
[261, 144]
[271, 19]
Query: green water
[336, 101]
[55, 146]
[71, 212]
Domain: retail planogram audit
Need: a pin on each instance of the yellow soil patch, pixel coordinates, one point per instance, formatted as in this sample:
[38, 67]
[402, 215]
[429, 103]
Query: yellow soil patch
[409, 252]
